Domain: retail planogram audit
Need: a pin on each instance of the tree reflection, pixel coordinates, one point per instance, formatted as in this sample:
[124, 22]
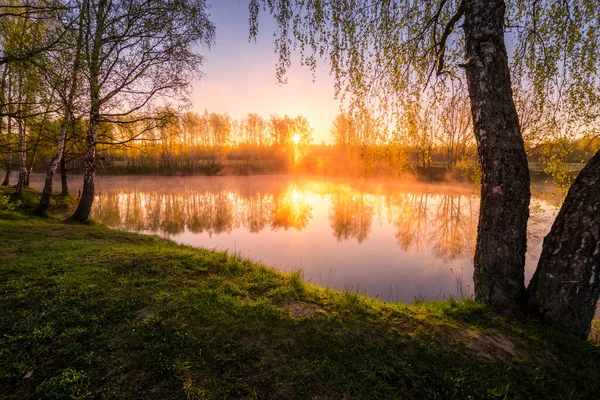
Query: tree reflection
[411, 221]
[173, 221]
[443, 224]
[106, 209]
[257, 212]
[453, 228]
[291, 210]
[350, 215]
[211, 212]
[133, 218]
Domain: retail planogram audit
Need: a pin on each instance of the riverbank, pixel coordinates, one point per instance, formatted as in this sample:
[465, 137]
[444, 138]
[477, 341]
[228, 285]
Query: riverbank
[90, 312]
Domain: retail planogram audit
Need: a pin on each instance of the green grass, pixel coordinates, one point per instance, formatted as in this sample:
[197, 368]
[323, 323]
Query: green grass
[30, 198]
[89, 312]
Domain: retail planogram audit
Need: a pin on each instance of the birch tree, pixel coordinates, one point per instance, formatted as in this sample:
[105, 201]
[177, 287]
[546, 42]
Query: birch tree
[135, 52]
[383, 51]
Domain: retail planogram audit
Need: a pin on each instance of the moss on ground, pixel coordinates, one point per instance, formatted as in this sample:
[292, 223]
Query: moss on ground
[89, 312]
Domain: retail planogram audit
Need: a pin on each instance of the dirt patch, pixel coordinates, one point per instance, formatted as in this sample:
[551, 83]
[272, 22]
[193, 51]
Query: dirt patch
[8, 252]
[299, 309]
[493, 344]
[144, 314]
[486, 344]
[54, 231]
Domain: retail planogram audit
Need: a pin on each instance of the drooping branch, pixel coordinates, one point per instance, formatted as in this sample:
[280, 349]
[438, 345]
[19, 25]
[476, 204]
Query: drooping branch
[447, 31]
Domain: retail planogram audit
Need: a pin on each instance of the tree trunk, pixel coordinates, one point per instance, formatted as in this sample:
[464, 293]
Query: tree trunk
[84, 208]
[7, 100]
[6, 181]
[29, 169]
[60, 144]
[502, 230]
[58, 157]
[38, 140]
[566, 284]
[22, 140]
[22, 157]
[63, 176]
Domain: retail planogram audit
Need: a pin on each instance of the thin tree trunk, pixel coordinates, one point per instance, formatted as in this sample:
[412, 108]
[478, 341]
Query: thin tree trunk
[6, 181]
[29, 169]
[505, 194]
[566, 284]
[3, 101]
[58, 157]
[22, 157]
[38, 139]
[63, 176]
[22, 141]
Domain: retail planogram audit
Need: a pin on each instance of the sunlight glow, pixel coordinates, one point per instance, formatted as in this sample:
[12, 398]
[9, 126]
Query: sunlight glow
[296, 138]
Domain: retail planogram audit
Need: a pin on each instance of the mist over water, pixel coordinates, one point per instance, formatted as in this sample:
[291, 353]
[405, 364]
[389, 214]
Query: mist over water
[391, 239]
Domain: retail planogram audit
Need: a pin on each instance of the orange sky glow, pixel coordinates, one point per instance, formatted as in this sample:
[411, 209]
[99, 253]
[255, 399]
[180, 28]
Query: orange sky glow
[239, 76]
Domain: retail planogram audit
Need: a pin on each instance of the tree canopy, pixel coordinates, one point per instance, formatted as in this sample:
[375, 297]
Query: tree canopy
[383, 53]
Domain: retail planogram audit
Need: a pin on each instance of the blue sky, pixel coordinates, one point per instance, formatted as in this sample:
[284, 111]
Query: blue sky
[240, 75]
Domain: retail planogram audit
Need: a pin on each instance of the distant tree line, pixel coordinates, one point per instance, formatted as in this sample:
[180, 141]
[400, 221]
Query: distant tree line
[197, 143]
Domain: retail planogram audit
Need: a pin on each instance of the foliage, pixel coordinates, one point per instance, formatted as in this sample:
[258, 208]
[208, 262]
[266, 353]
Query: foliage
[390, 58]
[7, 204]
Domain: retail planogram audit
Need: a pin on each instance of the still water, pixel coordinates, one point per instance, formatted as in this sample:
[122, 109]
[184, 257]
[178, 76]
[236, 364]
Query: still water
[389, 239]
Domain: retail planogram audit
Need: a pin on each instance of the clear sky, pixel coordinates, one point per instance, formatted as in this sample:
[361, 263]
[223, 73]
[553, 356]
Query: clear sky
[240, 75]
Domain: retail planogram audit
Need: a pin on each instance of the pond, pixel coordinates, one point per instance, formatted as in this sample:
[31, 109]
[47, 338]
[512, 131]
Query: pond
[394, 239]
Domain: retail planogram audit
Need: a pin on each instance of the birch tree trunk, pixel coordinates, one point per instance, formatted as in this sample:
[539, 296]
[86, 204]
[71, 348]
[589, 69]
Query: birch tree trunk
[29, 169]
[6, 181]
[22, 157]
[505, 194]
[84, 208]
[3, 101]
[22, 140]
[63, 176]
[566, 284]
[60, 144]
[49, 182]
[94, 52]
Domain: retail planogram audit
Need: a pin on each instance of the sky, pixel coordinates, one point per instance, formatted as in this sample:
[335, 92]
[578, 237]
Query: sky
[239, 76]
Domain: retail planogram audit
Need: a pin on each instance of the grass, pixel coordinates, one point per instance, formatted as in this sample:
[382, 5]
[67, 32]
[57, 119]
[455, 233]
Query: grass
[30, 198]
[89, 312]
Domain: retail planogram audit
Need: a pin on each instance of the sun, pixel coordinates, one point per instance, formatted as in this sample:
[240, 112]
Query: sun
[296, 138]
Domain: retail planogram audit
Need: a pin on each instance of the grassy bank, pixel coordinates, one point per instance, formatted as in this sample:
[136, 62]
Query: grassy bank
[89, 312]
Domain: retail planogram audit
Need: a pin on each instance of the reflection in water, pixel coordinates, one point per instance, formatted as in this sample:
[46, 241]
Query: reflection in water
[411, 220]
[208, 211]
[329, 229]
[291, 210]
[454, 227]
[351, 215]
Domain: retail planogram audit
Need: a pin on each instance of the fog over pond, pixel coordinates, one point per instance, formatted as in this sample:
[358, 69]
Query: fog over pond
[391, 239]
